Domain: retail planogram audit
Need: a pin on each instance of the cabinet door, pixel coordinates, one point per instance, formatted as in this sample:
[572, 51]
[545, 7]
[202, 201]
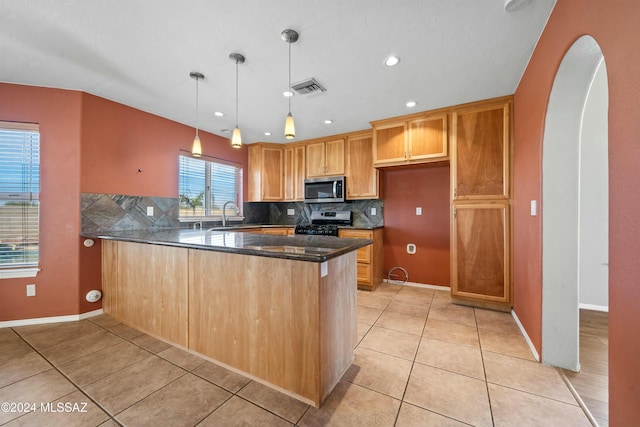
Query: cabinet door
[334, 157]
[272, 176]
[389, 144]
[289, 189]
[362, 179]
[299, 171]
[428, 138]
[480, 252]
[315, 159]
[480, 152]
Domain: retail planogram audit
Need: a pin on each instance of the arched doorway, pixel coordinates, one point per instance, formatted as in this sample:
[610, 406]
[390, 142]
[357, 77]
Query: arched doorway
[574, 157]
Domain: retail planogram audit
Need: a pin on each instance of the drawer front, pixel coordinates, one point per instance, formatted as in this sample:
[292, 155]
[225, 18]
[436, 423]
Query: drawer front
[364, 273]
[364, 254]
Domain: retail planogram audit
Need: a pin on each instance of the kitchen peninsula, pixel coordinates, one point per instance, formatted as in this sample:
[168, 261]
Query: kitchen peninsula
[279, 309]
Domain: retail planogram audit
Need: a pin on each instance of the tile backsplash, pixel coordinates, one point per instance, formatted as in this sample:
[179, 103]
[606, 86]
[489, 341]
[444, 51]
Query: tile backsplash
[117, 212]
[277, 213]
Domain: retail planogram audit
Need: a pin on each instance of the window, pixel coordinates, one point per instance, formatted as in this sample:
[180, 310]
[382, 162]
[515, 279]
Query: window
[205, 186]
[19, 195]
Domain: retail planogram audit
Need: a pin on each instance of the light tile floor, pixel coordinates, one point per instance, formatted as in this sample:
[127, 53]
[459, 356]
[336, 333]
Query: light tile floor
[420, 361]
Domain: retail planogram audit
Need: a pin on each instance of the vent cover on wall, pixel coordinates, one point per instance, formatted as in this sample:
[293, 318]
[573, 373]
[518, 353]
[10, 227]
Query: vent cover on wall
[308, 86]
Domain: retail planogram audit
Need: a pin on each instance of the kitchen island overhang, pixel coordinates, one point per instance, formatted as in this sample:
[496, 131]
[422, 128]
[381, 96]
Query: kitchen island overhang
[260, 305]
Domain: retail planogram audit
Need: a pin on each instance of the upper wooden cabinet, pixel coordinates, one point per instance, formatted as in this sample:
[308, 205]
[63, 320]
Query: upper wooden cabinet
[294, 172]
[362, 179]
[265, 180]
[480, 152]
[325, 158]
[418, 138]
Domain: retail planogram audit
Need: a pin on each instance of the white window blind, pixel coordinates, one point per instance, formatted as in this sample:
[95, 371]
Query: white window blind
[205, 186]
[19, 194]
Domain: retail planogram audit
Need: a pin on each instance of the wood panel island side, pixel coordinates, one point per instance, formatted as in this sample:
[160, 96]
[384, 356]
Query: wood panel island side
[278, 309]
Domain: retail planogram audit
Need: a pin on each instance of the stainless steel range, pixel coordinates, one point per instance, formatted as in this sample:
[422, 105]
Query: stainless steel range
[325, 223]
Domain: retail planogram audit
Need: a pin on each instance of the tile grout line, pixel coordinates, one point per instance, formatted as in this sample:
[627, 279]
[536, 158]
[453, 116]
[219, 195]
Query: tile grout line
[484, 369]
[68, 379]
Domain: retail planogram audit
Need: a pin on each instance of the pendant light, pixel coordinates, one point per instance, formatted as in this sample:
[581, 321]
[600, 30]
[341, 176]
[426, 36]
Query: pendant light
[289, 36]
[196, 148]
[236, 138]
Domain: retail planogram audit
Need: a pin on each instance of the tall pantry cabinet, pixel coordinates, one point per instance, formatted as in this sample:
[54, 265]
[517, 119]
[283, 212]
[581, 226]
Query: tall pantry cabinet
[481, 204]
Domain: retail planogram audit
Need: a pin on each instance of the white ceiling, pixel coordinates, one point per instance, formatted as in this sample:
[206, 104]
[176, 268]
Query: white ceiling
[140, 53]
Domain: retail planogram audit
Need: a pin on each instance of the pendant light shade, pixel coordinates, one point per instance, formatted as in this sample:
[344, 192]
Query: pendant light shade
[236, 138]
[196, 147]
[289, 127]
[289, 36]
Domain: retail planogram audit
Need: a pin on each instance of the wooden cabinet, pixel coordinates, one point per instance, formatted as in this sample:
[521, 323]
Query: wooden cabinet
[418, 138]
[481, 252]
[294, 172]
[325, 158]
[481, 242]
[266, 178]
[278, 231]
[362, 179]
[480, 166]
[370, 258]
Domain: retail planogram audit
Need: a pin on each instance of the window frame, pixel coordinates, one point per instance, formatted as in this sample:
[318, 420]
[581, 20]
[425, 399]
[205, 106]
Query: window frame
[28, 194]
[209, 214]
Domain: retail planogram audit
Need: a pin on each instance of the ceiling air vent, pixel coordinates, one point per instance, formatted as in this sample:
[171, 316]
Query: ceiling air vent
[308, 86]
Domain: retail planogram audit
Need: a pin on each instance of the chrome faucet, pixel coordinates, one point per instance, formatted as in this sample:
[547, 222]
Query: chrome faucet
[224, 212]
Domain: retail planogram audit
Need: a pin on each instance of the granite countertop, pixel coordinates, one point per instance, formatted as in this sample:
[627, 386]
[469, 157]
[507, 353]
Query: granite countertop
[297, 247]
[241, 226]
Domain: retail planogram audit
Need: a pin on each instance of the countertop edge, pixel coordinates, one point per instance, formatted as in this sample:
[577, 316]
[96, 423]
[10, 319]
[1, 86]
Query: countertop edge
[255, 242]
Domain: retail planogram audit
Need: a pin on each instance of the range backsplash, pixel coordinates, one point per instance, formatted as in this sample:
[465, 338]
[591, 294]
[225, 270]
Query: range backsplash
[276, 212]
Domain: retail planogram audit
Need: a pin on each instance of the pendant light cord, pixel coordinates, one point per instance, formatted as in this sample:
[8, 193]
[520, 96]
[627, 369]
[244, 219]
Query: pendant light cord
[290, 91]
[236, 93]
[197, 79]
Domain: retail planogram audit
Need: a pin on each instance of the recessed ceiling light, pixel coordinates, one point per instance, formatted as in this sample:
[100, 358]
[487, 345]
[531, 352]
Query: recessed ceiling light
[287, 93]
[218, 114]
[411, 104]
[328, 122]
[267, 133]
[391, 61]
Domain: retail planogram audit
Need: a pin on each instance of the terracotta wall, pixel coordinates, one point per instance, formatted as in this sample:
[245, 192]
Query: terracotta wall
[58, 112]
[404, 190]
[118, 140]
[89, 144]
[614, 26]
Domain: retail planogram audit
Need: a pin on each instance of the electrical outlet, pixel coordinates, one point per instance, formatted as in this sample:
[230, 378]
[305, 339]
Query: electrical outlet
[31, 290]
[149, 210]
[418, 210]
[291, 212]
[534, 207]
[374, 212]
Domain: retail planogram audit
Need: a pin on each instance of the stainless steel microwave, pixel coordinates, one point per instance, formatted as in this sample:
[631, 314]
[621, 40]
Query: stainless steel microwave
[324, 190]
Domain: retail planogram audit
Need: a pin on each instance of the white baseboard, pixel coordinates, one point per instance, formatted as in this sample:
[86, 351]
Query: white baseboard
[526, 336]
[421, 285]
[594, 307]
[55, 319]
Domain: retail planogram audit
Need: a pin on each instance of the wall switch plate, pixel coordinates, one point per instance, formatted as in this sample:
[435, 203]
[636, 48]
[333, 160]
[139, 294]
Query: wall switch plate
[149, 210]
[418, 210]
[534, 207]
[291, 212]
[374, 211]
[31, 290]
